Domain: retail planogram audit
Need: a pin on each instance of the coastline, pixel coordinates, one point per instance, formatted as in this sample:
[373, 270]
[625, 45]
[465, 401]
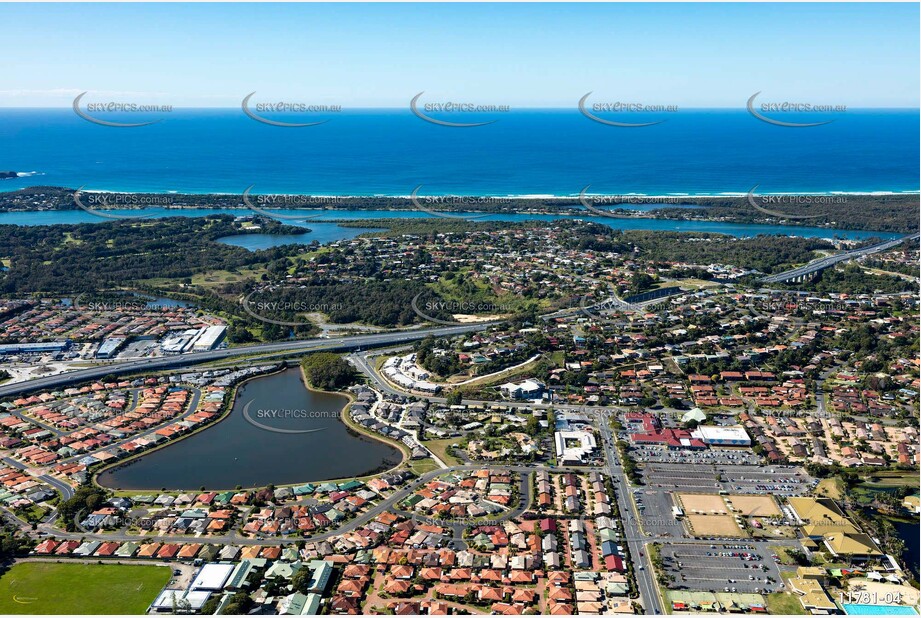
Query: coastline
[849, 213]
[627, 194]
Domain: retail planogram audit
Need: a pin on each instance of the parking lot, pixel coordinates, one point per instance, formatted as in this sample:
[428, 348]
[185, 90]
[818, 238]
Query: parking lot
[703, 478]
[720, 567]
[715, 456]
[655, 509]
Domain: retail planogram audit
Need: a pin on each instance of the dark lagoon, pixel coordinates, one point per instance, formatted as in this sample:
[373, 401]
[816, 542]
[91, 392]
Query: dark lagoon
[256, 444]
[910, 532]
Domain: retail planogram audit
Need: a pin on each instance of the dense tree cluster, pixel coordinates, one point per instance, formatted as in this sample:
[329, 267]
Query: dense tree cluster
[765, 253]
[86, 498]
[440, 364]
[89, 257]
[328, 371]
[13, 544]
[886, 213]
[386, 303]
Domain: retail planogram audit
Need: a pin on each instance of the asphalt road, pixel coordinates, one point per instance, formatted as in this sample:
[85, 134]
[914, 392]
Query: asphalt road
[63, 488]
[66, 490]
[190, 409]
[388, 504]
[634, 535]
[645, 578]
[181, 360]
[360, 359]
[831, 260]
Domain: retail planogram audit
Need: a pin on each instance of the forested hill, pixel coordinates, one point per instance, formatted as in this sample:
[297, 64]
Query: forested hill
[94, 256]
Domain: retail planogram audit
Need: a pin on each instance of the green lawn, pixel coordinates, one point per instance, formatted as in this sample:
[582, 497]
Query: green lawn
[422, 466]
[831, 487]
[784, 603]
[782, 553]
[440, 448]
[71, 588]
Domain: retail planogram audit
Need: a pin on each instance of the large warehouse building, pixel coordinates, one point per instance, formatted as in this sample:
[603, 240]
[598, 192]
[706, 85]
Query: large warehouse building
[210, 338]
[734, 435]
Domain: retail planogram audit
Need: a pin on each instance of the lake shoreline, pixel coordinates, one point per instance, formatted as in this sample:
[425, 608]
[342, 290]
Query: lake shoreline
[345, 418]
[384, 468]
[228, 409]
[339, 225]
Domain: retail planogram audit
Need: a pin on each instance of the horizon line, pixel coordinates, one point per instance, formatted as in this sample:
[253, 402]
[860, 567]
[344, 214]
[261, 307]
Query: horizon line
[512, 108]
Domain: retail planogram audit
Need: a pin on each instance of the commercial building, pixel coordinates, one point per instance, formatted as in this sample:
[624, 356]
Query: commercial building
[171, 600]
[212, 577]
[825, 526]
[851, 546]
[722, 436]
[527, 389]
[647, 429]
[696, 414]
[177, 343]
[110, 347]
[574, 447]
[34, 348]
[209, 338]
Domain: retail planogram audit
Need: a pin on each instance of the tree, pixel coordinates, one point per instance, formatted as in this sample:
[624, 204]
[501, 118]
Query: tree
[300, 581]
[86, 498]
[12, 545]
[239, 604]
[328, 371]
[210, 606]
[532, 426]
[240, 334]
[454, 398]
[641, 282]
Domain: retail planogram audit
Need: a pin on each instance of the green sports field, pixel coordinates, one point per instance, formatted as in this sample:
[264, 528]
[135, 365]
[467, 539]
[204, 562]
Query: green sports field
[71, 588]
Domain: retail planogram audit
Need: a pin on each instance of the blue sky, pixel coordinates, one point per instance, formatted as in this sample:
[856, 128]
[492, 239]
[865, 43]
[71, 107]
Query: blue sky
[522, 55]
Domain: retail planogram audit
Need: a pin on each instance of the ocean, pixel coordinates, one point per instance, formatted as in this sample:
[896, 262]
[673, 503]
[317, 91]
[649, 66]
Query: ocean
[531, 152]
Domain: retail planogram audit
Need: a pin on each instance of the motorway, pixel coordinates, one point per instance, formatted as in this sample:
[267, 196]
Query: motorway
[634, 537]
[182, 360]
[826, 262]
[611, 304]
